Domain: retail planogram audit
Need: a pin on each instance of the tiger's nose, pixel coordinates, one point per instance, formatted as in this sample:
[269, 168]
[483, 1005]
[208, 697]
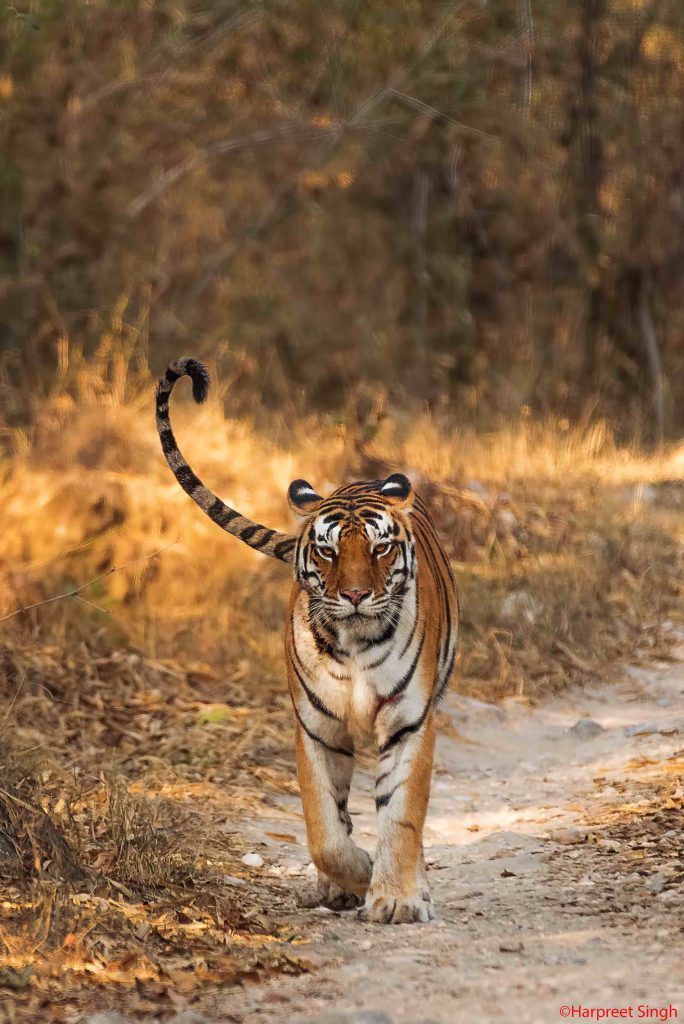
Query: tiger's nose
[355, 596]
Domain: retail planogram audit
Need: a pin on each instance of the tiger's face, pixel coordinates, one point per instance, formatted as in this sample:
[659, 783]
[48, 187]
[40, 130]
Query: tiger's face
[355, 553]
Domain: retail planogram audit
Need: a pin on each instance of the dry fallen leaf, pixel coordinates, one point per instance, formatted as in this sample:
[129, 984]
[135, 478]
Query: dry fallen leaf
[284, 837]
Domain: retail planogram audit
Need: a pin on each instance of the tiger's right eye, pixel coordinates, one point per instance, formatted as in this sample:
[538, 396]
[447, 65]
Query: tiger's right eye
[326, 552]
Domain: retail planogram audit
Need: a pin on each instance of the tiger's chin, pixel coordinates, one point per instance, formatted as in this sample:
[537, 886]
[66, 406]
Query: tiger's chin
[355, 615]
[366, 622]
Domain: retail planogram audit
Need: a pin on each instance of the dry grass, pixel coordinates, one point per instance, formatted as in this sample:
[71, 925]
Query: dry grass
[143, 718]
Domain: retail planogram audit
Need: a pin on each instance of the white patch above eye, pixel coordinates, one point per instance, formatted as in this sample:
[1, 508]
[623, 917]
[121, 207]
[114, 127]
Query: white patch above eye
[326, 535]
[380, 530]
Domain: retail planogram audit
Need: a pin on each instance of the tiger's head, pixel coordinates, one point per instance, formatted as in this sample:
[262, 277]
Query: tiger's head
[355, 552]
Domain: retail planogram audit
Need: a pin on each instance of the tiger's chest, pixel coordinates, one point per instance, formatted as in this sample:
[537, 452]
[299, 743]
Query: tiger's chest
[352, 677]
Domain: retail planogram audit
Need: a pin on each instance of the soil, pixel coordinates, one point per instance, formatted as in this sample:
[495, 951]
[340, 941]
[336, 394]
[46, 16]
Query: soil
[556, 859]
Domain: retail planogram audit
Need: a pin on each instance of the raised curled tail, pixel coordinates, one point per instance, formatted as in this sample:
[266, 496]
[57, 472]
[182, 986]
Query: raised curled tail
[268, 542]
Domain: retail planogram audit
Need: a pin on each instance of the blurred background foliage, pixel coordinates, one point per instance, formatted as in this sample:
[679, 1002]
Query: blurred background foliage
[442, 238]
[478, 204]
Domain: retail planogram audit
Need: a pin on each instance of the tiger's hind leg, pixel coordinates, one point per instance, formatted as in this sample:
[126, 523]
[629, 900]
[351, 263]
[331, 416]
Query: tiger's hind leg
[324, 771]
[398, 892]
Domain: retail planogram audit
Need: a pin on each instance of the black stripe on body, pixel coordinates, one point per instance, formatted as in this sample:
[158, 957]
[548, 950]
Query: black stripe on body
[384, 637]
[322, 645]
[340, 679]
[371, 503]
[313, 698]
[408, 676]
[424, 542]
[317, 739]
[382, 801]
[413, 628]
[380, 661]
[441, 583]
[426, 520]
[386, 797]
[298, 555]
[442, 686]
[346, 503]
[445, 610]
[406, 730]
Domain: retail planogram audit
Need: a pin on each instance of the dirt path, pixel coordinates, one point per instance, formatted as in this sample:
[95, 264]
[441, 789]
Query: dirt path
[530, 918]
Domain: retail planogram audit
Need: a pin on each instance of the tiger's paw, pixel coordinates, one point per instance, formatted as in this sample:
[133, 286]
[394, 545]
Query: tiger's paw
[388, 909]
[329, 894]
[338, 899]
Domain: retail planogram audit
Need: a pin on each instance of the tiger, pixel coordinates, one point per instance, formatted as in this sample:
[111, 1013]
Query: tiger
[370, 644]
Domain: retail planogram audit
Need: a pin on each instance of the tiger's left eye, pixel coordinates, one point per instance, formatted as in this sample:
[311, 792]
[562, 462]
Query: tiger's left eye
[326, 552]
[382, 549]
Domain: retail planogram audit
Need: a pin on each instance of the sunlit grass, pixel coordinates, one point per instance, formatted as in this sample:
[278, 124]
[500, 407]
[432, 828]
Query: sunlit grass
[548, 507]
[147, 715]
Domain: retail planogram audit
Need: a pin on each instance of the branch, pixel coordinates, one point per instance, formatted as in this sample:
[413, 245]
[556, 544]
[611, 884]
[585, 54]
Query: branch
[79, 590]
[260, 138]
[438, 115]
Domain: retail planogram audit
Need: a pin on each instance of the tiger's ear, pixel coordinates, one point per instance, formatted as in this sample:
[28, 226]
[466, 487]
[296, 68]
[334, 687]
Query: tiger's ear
[397, 491]
[302, 498]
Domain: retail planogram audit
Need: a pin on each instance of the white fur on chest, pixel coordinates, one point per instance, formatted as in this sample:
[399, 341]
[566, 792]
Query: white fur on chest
[353, 686]
[362, 703]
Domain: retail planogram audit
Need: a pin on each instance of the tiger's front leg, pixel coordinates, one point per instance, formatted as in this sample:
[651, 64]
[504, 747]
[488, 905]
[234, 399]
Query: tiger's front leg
[324, 770]
[398, 890]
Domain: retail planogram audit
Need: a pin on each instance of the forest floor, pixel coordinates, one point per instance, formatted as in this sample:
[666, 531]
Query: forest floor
[556, 863]
[556, 859]
[146, 733]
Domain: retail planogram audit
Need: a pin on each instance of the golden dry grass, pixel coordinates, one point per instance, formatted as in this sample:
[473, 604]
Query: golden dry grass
[142, 718]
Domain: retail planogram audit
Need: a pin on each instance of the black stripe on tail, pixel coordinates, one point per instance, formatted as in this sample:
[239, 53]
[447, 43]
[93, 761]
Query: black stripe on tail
[269, 542]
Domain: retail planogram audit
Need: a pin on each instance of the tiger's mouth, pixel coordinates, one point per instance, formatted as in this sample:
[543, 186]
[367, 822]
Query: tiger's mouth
[377, 609]
[344, 614]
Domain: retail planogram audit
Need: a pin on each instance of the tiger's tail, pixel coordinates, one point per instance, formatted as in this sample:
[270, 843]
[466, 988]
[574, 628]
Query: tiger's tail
[268, 542]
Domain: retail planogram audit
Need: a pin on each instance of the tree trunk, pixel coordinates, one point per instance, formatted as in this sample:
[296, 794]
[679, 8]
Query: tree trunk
[649, 343]
[589, 177]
